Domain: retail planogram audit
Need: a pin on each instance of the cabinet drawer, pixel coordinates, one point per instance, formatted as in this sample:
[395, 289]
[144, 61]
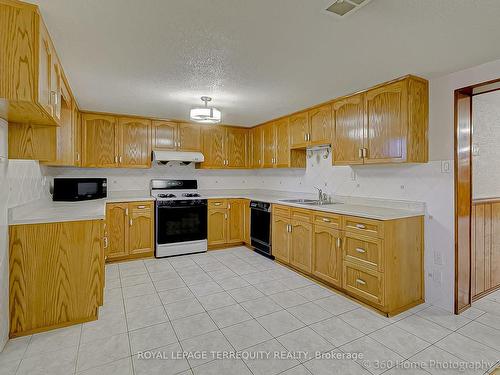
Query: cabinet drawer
[283, 211]
[329, 220]
[364, 226]
[363, 282]
[364, 250]
[146, 205]
[302, 215]
[217, 203]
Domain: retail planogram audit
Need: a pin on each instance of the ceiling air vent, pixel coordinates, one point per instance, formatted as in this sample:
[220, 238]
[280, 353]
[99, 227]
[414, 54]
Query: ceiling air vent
[343, 7]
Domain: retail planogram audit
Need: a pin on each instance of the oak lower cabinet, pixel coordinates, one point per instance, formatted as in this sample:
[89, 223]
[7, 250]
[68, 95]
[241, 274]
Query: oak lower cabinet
[226, 221]
[379, 262]
[56, 275]
[130, 230]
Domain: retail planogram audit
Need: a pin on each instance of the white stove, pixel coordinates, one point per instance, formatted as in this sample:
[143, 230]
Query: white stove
[181, 217]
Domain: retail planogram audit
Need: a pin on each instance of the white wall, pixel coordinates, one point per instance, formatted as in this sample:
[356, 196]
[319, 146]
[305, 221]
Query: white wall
[485, 139]
[20, 181]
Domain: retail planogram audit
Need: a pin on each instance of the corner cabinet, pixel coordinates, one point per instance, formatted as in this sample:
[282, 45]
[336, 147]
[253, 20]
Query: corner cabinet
[386, 124]
[111, 142]
[129, 230]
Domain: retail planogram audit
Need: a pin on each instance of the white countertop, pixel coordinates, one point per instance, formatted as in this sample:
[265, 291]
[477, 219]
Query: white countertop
[47, 211]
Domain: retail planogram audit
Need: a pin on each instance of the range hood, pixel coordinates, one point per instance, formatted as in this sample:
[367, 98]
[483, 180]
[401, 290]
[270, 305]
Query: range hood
[182, 156]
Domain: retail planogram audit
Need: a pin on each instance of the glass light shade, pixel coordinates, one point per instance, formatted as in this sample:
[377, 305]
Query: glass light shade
[206, 115]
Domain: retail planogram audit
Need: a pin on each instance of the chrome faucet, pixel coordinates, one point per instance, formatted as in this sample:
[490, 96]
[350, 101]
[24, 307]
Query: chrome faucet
[322, 197]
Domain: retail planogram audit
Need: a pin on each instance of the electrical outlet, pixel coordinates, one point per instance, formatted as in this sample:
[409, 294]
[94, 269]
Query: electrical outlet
[438, 258]
[445, 166]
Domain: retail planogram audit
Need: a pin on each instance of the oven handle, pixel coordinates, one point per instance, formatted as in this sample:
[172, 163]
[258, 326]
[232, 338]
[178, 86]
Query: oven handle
[197, 206]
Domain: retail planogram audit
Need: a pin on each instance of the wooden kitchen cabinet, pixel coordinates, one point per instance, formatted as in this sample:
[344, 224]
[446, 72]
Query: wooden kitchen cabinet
[134, 142]
[299, 130]
[172, 136]
[56, 275]
[301, 245]
[225, 147]
[130, 228]
[311, 128]
[247, 216]
[268, 145]
[99, 141]
[226, 221]
[276, 146]
[281, 238]
[327, 254]
[256, 147]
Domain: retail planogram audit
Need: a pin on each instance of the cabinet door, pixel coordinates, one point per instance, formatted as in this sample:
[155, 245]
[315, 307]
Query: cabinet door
[77, 134]
[189, 137]
[99, 141]
[301, 245]
[348, 130]
[134, 144]
[299, 130]
[320, 123]
[246, 215]
[282, 154]
[327, 255]
[269, 145]
[281, 239]
[44, 70]
[386, 123]
[141, 228]
[217, 226]
[257, 147]
[117, 228]
[164, 135]
[213, 139]
[55, 88]
[236, 150]
[236, 220]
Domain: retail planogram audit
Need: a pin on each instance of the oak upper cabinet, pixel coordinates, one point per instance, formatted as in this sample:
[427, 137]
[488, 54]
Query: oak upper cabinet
[268, 145]
[130, 228]
[213, 139]
[99, 141]
[276, 146]
[256, 146]
[386, 124]
[348, 127]
[281, 238]
[236, 220]
[134, 142]
[299, 130]
[320, 125]
[236, 147]
[282, 145]
[141, 235]
[30, 72]
[172, 136]
[327, 254]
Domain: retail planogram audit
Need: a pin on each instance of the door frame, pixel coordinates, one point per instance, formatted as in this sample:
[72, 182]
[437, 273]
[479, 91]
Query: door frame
[463, 188]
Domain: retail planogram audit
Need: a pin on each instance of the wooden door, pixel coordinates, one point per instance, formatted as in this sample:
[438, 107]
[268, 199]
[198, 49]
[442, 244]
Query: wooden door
[301, 245]
[320, 125]
[99, 141]
[282, 153]
[217, 226]
[141, 237]
[164, 135]
[257, 149]
[213, 139]
[281, 238]
[327, 255]
[189, 137]
[44, 70]
[269, 145]
[237, 145]
[348, 130]
[134, 142]
[117, 223]
[236, 220]
[299, 130]
[386, 111]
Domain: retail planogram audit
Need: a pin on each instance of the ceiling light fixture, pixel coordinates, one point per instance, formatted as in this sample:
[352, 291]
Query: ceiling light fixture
[206, 114]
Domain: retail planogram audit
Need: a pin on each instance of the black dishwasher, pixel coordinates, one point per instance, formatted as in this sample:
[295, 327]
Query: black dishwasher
[260, 227]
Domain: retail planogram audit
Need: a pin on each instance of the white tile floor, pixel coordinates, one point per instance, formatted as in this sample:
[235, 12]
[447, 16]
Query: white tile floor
[234, 299]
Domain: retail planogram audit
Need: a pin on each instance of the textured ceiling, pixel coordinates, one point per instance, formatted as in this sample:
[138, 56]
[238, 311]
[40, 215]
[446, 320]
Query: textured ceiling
[258, 59]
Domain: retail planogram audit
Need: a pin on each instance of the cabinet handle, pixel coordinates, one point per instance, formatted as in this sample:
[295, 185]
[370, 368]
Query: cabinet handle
[126, 212]
[339, 242]
[217, 203]
[360, 226]
[229, 206]
[55, 96]
[360, 250]
[305, 136]
[225, 216]
[308, 136]
[141, 207]
[106, 243]
[365, 152]
[131, 222]
[77, 156]
[359, 281]
[326, 220]
[120, 159]
[116, 159]
[360, 153]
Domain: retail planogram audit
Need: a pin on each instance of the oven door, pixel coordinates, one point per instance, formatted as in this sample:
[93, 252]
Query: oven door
[260, 229]
[181, 221]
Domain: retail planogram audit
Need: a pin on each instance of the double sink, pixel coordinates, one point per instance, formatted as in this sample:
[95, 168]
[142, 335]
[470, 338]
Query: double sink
[309, 202]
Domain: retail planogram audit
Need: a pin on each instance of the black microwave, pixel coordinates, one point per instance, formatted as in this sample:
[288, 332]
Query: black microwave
[79, 189]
